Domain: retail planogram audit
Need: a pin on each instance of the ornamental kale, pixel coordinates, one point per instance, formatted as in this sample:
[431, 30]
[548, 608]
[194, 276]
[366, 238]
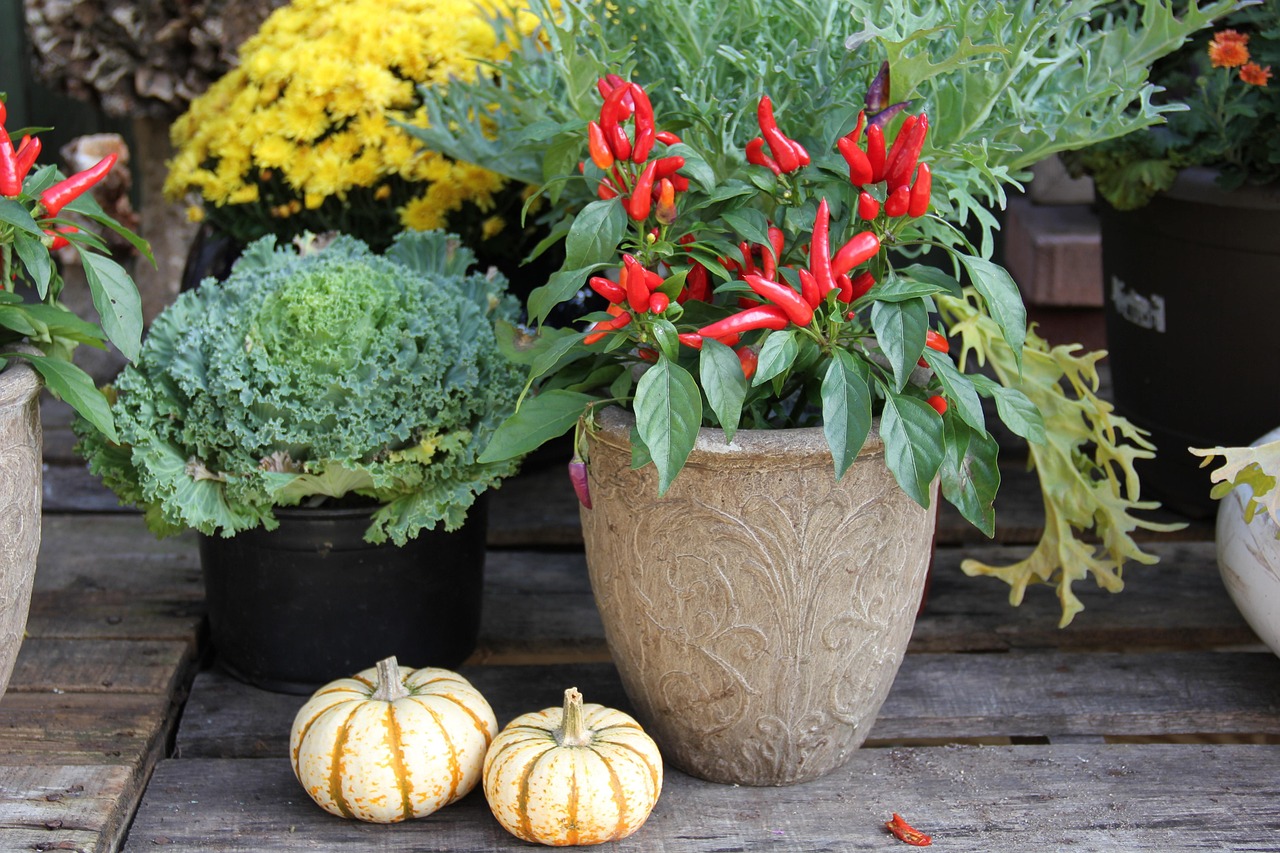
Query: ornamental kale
[312, 374]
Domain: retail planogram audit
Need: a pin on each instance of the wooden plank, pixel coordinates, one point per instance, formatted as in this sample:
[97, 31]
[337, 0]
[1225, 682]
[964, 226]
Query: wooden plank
[1180, 603]
[116, 614]
[991, 799]
[102, 666]
[950, 698]
[82, 728]
[47, 807]
[96, 552]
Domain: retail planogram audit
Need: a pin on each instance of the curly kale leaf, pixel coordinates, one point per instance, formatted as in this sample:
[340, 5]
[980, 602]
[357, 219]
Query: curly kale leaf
[316, 374]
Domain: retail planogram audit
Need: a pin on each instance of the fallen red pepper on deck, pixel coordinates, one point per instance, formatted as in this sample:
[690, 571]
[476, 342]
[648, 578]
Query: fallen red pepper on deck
[904, 832]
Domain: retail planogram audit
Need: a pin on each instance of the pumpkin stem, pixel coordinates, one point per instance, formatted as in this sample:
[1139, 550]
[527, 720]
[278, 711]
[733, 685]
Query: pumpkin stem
[573, 729]
[390, 685]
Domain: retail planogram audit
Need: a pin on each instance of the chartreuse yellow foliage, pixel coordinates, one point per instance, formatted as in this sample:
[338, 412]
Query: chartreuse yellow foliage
[1085, 461]
[1255, 467]
[302, 128]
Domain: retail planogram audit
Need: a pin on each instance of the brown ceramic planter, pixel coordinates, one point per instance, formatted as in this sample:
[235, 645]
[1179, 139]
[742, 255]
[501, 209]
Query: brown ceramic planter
[20, 502]
[759, 612]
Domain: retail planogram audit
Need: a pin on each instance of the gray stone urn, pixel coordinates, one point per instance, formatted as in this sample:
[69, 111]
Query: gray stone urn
[20, 501]
[758, 612]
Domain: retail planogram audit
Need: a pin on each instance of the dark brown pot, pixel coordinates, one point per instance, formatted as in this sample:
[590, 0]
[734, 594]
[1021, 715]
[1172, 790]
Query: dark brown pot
[1192, 286]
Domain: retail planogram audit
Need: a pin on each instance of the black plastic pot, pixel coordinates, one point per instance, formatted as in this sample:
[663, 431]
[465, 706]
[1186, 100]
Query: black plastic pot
[295, 608]
[1192, 285]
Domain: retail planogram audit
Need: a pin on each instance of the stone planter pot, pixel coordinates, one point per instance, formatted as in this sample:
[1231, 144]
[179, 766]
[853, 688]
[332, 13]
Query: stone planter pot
[20, 503]
[1191, 296]
[757, 613]
[1249, 561]
[294, 608]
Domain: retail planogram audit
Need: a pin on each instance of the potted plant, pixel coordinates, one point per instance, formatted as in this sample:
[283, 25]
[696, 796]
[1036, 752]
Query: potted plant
[758, 234]
[38, 334]
[319, 396]
[1182, 204]
[1248, 530]
[296, 136]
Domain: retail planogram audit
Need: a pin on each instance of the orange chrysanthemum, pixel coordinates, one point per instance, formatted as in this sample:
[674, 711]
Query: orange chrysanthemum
[1229, 49]
[1254, 74]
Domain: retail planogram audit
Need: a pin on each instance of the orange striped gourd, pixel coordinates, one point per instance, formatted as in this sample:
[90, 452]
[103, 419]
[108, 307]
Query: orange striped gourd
[581, 774]
[389, 744]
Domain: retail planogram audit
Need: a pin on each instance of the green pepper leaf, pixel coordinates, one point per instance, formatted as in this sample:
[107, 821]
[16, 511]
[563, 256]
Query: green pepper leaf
[846, 410]
[117, 300]
[776, 356]
[595, 234]
[35, 257]
[970, 474]
[1003, 300]
[538, 420]
[1015, 409]
[74, 387]
[724, 383]
[913, 442]
[900, 329]
[668, 410]
[962, 396]
[749, 224]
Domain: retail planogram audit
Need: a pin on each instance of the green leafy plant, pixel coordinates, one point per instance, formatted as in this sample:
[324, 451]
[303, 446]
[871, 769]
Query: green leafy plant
[1003, 85]
[311, 374]
[1223, 114]
[36, 204]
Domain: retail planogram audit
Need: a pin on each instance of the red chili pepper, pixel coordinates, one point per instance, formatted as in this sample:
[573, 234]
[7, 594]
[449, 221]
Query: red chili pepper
[748, 262]
[638, 292]
[681, 183]
[610, 290]
[666, 137]
[893, 160]
[601, 329]
[645, 134]
[667, 166]
[797, 308]
[642, 193]
[659, 302]
[610, 115]
[651, 279]
[606, 190]
[779, 146]
[690, 339]
[809, 288]
[757, 157]
[749, 359]
[696, 285]
[898, 172]
[903, 831]
[10, 184]
[666, 204]
[801, 152]
[601, 154]
[66, 191]
[859, 249]
[936, 342]
[777, 242]
[59, 240]
[859, 165]
[920, 192]
[940, 406]
[860, 285]
[875, 152]
[759, 317]
[26, 156]
[578, 476]
[868, 207]
[628, 102]
[898, 202]
[820, 249]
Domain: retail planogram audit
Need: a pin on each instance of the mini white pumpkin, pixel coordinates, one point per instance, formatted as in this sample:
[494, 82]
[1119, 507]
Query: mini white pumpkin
[581, 774]
[388, 744]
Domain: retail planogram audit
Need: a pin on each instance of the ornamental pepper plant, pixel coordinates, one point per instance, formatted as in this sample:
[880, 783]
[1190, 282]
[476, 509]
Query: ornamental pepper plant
[984, 88]
[768, 298]
[36, 203]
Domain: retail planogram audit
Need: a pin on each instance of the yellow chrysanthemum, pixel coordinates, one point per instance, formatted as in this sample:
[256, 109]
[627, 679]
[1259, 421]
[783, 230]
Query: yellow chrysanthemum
[421, 214]
[492, 227]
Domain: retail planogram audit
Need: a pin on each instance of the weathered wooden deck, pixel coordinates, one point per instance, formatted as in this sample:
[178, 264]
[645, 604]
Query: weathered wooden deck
[1152, 723]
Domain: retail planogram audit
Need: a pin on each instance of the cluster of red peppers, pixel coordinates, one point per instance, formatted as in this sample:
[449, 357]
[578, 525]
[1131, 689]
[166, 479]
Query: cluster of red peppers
[907, 188]
[15, 165]
[644, 183]
[649, 185]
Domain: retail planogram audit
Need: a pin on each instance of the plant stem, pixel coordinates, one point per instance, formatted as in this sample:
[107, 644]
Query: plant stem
[390, 685]
[573, 729]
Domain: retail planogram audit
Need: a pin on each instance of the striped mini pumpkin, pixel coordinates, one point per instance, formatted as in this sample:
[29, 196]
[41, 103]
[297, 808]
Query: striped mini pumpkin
[388, 744]
[581, 774]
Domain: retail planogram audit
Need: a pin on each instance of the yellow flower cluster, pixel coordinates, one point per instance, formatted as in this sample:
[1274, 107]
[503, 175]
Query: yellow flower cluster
[306, 115]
